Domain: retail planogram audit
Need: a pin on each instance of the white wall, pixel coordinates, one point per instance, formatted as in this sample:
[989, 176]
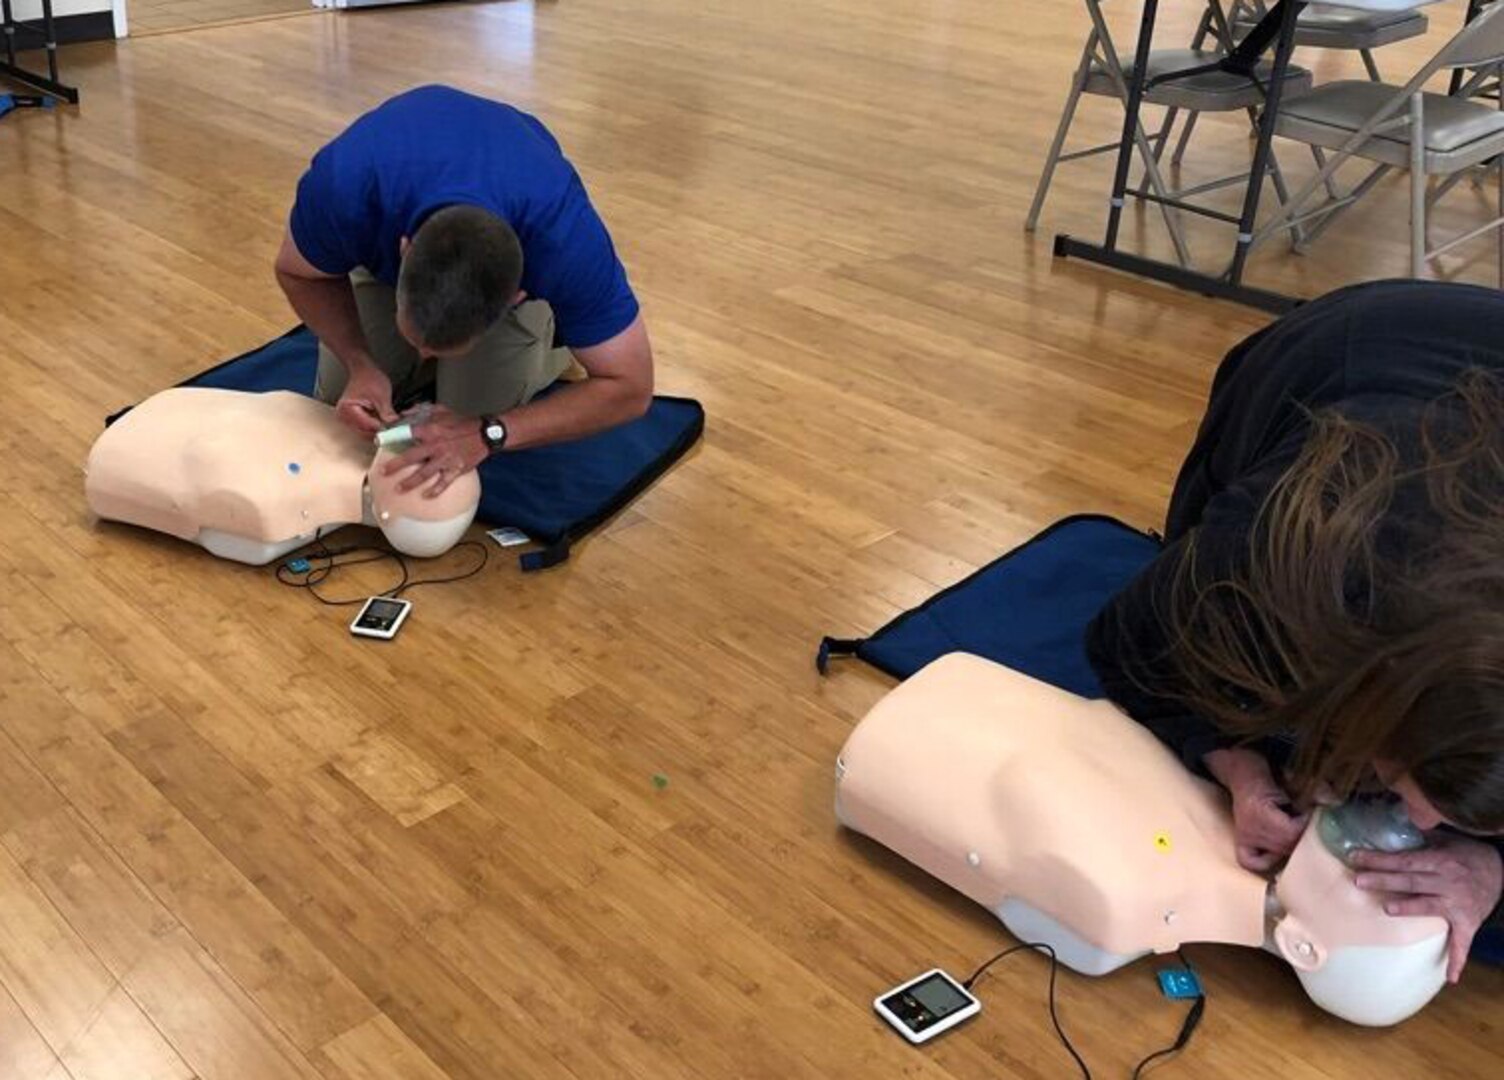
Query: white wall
[32, 9]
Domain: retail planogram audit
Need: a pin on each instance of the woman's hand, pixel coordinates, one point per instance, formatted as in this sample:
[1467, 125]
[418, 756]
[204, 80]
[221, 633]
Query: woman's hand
[448, 446]
[1264, 825]
[1455, 878]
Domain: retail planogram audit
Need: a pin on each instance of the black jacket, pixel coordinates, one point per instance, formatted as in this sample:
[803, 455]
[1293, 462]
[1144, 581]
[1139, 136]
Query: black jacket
[1378, 353]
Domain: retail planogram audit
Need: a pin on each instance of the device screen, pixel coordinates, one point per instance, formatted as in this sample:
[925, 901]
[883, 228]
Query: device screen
[926, 1002]
[381, 614]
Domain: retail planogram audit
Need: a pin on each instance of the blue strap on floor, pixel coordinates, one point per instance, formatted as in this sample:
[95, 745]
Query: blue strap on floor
[556, 494]
[1027, 610]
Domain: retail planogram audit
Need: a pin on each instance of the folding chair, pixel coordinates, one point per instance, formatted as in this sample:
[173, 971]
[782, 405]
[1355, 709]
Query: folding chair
[1460, 82]
[1101, 73]
[1319, 26]
[1403, 127]
[1326, 26]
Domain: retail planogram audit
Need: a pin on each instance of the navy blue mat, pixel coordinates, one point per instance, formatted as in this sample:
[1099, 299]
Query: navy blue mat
[556, 494]
[1027, 610]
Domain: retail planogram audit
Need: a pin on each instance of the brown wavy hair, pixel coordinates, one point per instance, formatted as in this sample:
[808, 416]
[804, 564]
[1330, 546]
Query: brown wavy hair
[1364, 634]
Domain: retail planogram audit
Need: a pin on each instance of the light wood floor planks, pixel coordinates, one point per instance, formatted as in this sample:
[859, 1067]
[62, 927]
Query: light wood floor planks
[237, 843]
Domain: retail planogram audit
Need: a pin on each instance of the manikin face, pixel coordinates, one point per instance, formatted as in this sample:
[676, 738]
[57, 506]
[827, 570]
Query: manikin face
[413, 523]
[1354, 960]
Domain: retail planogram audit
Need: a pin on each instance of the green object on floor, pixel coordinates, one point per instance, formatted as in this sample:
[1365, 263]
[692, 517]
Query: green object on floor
[660, 781]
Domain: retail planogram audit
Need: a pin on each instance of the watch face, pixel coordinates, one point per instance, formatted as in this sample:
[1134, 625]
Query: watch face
[495, 432]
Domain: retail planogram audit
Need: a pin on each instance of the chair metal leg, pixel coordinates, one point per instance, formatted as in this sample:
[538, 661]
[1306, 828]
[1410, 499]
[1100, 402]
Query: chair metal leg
[1353, 198]
[1373, 69]
[1078, 83]
[1160, 188]
[1297, 231]
[1161, 137]
[1331, 181]
[1417, 135]
[1184, 140]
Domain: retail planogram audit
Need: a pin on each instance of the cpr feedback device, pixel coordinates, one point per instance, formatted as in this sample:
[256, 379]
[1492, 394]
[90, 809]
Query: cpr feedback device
[381, 617]
[927, 1006]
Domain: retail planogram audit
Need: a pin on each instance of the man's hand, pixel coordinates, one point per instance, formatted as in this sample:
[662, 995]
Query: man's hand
[1265, 829]
[1456, 878]
[366, 404]
[448, 446]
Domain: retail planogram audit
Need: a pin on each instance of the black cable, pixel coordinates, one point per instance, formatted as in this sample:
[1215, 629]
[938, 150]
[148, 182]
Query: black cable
[332, 559]
[1038, 946]
[1187, 1027]
[485, 557]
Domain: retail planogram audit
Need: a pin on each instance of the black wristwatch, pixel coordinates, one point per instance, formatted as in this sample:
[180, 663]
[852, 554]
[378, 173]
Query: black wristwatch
[494, 432]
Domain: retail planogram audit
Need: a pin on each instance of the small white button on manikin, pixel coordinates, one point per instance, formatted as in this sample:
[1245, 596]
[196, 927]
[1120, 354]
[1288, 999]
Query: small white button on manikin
[1304, 948]
[973, 859]
[386, 515]
[1169, 917]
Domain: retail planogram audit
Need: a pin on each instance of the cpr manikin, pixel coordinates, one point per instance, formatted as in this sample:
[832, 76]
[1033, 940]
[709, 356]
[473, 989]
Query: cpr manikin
[251, 477]
[1079, 829]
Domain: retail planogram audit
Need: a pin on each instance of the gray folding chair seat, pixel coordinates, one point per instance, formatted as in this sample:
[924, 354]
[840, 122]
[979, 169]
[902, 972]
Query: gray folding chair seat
[1326, 26]
[1323, 26]
[1458, 132]
[1209, 91]
[1428, 134]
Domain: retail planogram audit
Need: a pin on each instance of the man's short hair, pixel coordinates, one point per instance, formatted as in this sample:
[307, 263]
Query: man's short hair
[461, 270]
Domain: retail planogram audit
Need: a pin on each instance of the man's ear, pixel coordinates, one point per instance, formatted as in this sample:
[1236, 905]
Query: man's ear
[520, 297]
[402, 245]
[1298, 945]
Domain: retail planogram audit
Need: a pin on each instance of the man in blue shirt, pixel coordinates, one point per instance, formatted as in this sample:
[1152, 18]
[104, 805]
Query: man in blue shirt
[444, 240]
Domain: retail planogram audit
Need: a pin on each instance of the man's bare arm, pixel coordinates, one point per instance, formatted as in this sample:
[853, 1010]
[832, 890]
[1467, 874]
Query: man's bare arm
[620, 388]
[326, 304]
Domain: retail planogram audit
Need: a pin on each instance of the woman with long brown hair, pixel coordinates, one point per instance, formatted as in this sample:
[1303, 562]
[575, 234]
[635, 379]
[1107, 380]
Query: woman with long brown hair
[1328, 611]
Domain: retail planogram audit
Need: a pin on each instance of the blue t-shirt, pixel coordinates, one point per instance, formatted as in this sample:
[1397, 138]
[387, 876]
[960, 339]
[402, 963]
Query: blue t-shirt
[436, 146]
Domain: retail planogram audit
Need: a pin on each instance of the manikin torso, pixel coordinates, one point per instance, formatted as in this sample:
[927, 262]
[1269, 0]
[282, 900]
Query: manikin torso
[1079, 829]
[250, 477]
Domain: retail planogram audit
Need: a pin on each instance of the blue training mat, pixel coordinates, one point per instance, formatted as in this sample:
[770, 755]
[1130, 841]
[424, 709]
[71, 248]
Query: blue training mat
[1027, 610]
[556, 494]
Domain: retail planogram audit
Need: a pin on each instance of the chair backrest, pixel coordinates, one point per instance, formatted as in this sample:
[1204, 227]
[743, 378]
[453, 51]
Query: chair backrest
[1478, 44]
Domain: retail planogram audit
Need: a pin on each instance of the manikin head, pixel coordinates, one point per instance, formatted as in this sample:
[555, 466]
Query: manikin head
[1353, 959]
[461, 271]
[412, 522]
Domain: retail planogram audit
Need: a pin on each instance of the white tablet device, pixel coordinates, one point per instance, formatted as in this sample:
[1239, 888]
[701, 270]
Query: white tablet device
[927, 1006]
[381, 617]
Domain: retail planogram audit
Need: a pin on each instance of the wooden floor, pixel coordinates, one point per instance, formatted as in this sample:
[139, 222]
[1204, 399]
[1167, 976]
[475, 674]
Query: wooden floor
[170, 16]
[237, 843]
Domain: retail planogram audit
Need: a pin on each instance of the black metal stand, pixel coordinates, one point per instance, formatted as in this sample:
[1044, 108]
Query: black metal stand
[1277, 27]
[10, 67]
